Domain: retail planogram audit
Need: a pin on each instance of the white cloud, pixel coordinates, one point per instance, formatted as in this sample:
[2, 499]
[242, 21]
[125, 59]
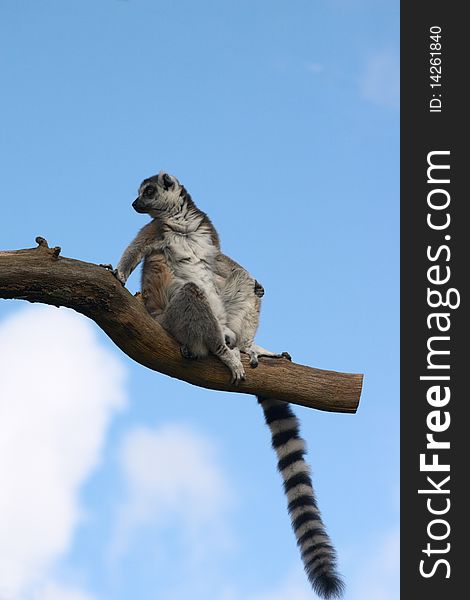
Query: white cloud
[58, 391]
[380, 81]
[172, 476]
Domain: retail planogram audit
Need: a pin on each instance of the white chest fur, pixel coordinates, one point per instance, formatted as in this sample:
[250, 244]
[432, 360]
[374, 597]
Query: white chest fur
[191, 256]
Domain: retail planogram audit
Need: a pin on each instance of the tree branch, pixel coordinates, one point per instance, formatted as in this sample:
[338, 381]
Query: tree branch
[42, 275]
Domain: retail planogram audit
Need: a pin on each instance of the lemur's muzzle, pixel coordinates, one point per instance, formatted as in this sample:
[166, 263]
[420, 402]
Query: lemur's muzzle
[138, 205]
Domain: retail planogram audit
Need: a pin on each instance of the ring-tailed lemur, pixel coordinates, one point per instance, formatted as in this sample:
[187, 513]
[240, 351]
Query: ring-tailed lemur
[179, 248]
[209, 303]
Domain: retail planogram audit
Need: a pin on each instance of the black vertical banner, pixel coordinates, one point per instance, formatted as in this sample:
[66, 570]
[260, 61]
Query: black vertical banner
[435, 256]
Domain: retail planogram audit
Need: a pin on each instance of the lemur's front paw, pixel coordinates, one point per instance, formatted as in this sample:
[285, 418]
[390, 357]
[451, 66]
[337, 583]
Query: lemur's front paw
[259, 289]
[106, 266]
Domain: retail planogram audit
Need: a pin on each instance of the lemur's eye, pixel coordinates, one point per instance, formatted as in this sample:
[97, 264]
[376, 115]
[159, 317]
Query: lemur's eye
[167, 181]
[149, 191]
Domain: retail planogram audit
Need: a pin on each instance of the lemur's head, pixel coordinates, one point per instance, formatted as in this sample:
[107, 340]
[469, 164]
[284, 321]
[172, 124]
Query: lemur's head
[159, 194]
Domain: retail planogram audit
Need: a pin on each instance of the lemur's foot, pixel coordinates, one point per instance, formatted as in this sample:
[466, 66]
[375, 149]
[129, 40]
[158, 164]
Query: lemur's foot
[253, 356]
[238, 374]
[186, 353]
[233, 361]
[259, 289]
[255, 352]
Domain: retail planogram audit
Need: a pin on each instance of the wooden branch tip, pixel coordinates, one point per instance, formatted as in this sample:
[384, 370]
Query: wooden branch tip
[88, 289]
[41, 242]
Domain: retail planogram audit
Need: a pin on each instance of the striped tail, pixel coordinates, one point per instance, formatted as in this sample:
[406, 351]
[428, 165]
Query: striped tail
[317, 552]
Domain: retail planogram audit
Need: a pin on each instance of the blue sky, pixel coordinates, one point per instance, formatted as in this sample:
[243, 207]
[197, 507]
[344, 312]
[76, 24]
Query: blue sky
[282, 121]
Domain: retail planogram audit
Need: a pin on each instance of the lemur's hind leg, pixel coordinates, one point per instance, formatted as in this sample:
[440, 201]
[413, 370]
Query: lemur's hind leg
[190, 319]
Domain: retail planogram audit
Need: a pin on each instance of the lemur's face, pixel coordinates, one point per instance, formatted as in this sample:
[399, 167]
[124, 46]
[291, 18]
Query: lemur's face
[158, 194]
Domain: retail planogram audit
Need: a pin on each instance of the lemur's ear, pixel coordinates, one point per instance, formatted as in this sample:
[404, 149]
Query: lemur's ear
[167, 181]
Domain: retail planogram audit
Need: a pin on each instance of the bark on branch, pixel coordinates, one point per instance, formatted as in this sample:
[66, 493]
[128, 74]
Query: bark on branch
[42, 275]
